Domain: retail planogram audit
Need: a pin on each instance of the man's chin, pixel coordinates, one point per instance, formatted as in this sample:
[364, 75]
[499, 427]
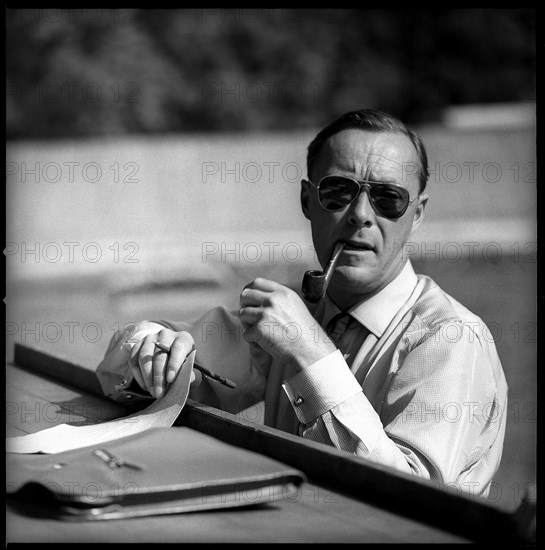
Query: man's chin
[358, 279]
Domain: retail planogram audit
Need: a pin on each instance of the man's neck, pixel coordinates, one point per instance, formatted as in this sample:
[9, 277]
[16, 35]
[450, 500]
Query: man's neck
[344, 299]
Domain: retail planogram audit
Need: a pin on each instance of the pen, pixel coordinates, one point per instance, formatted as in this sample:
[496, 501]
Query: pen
[209, 373]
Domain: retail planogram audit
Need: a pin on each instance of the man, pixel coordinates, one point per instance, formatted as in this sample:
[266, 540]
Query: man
[386, 366]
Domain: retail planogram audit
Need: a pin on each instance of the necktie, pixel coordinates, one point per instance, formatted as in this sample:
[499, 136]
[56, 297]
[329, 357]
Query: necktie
[348, 341]
[337, 328]
[337, 325]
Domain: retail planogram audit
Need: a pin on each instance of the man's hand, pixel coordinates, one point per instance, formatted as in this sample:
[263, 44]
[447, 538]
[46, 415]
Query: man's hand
[152, 368]
[276, 318]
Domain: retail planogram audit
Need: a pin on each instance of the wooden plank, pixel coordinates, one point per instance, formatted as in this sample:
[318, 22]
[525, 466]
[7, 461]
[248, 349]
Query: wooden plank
[445, 508]
[278, 522]
[313, 515]
[35, 403]
[58, 368]
[14, 431]
[409, 496]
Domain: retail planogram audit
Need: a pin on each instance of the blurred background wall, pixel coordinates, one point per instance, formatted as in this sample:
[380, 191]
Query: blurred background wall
[154, 160]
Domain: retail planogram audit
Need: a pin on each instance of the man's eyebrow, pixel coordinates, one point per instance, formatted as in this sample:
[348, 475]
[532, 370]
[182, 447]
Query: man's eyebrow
[380, 178]
[371, 178]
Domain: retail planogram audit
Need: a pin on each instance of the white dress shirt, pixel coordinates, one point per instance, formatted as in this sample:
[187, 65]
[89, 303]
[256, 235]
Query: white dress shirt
[418, 385]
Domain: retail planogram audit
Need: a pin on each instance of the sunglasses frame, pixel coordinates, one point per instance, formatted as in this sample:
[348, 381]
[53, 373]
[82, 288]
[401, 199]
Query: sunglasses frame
[366, 185]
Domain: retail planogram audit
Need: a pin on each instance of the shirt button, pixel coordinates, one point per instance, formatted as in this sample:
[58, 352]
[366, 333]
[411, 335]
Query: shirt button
[298, 401]
[129, 396]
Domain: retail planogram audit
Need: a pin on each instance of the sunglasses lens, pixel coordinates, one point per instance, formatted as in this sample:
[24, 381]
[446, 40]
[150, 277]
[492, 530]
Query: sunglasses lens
[337, 192]
[389, 200]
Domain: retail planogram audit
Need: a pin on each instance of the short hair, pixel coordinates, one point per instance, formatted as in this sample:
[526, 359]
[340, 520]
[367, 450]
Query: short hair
[374, 121]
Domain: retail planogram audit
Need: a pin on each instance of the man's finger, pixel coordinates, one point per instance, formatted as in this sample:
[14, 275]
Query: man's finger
[135, 367]
[145, 361]
[265, 285]
[250, 315]
[135, 350]
[159, 364]
[196, 377]
[252, 297]
[250, 333]
[179, 351]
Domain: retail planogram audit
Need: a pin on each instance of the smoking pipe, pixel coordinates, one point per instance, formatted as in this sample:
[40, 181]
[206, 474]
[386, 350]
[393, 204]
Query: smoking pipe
[315, 282]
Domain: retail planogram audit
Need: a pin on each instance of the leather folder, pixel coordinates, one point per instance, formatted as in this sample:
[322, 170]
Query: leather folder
[159, 471]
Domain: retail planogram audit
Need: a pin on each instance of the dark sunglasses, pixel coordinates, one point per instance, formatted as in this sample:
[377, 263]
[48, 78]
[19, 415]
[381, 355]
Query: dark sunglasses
[388, 199]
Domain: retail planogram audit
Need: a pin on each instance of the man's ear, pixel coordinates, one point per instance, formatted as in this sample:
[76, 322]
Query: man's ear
[305, 198]
[420, 210]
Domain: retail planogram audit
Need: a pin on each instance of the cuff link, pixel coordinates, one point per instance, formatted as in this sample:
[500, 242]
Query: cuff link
[121, 386]
[298, 401]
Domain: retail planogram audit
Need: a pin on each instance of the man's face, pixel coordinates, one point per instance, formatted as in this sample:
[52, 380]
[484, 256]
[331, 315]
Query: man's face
[373, 156]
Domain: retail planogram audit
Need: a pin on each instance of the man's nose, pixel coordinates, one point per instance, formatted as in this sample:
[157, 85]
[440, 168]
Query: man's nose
[361, 213]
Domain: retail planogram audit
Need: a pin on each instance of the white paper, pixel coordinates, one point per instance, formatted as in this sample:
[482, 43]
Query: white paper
[160, 414]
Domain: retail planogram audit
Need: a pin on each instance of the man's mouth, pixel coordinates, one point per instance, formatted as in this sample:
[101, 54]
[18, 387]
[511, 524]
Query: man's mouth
[360, 247]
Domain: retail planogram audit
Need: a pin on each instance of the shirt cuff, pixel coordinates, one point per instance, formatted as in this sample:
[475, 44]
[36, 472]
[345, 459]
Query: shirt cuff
[321, 387]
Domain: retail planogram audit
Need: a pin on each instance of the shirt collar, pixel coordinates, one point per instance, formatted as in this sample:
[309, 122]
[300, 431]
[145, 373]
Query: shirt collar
[377, 312]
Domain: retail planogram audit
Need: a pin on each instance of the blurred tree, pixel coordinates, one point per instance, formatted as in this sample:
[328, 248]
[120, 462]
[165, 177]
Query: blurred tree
[99, 72]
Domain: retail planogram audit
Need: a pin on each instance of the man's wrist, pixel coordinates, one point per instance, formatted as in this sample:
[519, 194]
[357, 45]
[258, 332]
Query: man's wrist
[312, 355]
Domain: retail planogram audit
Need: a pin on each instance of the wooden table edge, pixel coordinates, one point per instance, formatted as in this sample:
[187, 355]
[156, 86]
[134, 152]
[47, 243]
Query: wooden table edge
[442, 507]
